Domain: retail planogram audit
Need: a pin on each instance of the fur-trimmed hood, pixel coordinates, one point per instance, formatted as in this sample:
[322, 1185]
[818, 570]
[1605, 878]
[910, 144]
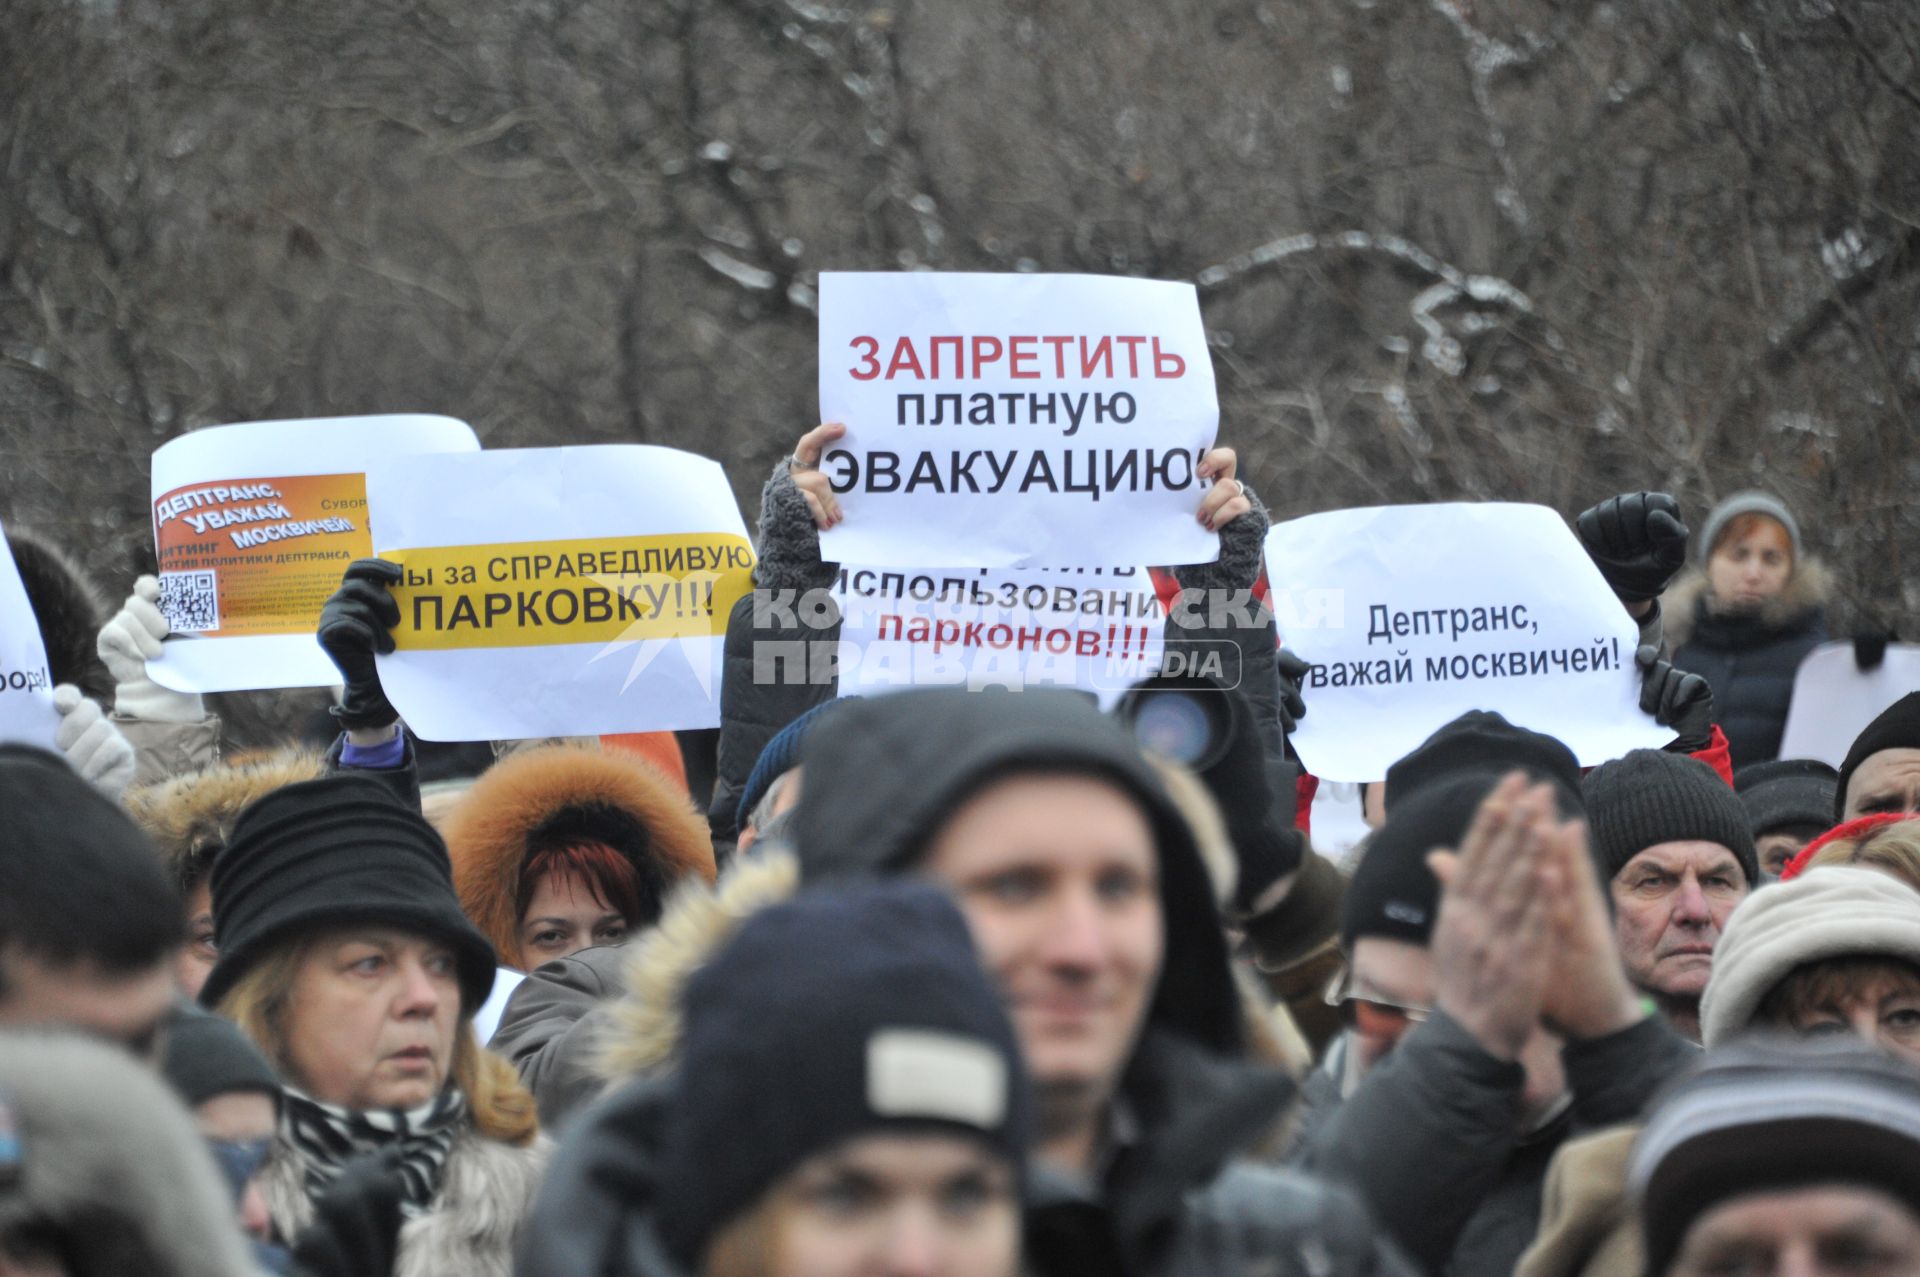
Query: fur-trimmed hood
[1807, 591]
[558, 792]
[643, 1029]
[189, 818]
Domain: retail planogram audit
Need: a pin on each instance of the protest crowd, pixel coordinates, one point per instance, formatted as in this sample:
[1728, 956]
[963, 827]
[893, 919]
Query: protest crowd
[973, 980]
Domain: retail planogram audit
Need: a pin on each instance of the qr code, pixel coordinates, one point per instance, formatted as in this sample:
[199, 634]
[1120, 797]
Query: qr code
[190, 601]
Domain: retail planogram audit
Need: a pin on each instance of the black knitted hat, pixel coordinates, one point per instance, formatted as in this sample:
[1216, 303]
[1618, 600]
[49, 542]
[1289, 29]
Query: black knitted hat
[1764, 1116]
[1786, 791]
[848, 1009]
[1483, 742]
[333, 852]
[1897, 727]
[208, 1056]
[1649, 796]
[1393, 894]
[72, 851]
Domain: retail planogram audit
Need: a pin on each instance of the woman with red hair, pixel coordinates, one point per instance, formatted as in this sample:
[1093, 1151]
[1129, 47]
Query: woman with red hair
[560, 848]
[561, 853]
[1747, 617]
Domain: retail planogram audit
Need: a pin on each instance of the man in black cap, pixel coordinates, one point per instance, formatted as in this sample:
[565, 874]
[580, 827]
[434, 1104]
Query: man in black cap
[89, 922]
[1488, 1021]
[1882, 771]
[1672, 844]
[1789, 803]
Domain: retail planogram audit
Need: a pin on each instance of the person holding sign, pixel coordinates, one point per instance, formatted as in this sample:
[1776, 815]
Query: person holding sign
[171, 732]
[798, 503]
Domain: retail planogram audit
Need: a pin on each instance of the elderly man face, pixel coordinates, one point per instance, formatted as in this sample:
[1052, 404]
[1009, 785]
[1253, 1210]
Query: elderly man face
[1670, 902]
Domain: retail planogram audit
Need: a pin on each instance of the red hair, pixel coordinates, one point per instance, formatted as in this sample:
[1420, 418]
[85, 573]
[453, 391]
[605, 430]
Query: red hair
[1741, 526]
[612, 878]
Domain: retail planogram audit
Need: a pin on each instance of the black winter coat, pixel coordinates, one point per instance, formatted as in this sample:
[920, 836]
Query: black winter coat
[1431, 1136]
[1173, 1210]
[1750, 659]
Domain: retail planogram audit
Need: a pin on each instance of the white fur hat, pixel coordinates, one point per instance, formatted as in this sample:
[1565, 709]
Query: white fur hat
[1831, 912]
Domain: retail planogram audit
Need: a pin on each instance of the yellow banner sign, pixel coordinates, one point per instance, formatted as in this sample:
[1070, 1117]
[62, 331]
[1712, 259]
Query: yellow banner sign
[593, 590]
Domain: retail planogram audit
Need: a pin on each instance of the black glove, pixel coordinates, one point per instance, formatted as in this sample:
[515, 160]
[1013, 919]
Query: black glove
[1276, 848]
[356, 1222]
[1870, 647]
[1637, 541]
[357, 622]
[1292, 671]
[1256, 797]
[1676, 699]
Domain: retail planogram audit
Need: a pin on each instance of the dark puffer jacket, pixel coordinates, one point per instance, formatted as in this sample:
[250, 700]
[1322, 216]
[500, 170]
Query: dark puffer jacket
[1431, 1139]
[1749, 658]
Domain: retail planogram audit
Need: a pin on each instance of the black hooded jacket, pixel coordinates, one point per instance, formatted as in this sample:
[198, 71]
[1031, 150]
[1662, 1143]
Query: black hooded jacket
[1176, 1197]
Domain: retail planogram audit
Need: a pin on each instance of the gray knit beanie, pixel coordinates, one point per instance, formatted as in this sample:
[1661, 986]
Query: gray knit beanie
[1763, 1116]
[1649, 797]
[1834, 911]
[1749, 502]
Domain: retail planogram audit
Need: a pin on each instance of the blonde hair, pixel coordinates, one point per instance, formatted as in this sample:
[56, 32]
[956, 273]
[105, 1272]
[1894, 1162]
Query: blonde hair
[1892, 849]
[502, 1108]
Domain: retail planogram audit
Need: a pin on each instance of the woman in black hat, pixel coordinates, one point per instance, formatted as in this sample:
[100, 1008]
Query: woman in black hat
[346, 958]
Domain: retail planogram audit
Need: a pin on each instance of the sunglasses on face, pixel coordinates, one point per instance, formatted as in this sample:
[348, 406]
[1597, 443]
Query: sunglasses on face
[1373, 1016]
[240, 1161]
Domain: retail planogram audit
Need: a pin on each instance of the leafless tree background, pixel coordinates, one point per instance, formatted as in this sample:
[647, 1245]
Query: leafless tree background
[1531, 249]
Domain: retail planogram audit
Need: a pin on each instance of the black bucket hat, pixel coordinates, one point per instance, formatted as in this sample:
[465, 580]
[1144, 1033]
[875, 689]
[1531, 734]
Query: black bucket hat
[333, 852]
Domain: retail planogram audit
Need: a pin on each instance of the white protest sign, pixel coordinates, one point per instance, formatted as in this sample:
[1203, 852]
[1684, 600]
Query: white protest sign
[253, 525]
[999, 628]
[1015, 420]
[1413, 615]
[26, 680]
[1833, 699]
[558, 591]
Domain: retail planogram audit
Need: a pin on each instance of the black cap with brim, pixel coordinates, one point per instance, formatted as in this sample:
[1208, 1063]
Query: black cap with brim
[1484, 744]
[1785, 793]
[332, 853]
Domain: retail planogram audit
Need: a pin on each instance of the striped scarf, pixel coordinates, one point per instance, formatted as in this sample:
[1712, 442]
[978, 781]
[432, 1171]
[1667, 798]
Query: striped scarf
[329, 1137]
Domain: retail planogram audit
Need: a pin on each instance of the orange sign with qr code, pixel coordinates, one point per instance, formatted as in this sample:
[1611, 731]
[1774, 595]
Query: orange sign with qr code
[257, 556]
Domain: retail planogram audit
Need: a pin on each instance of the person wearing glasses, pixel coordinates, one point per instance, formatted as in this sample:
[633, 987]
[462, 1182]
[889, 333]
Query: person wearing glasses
[1487, 1018]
